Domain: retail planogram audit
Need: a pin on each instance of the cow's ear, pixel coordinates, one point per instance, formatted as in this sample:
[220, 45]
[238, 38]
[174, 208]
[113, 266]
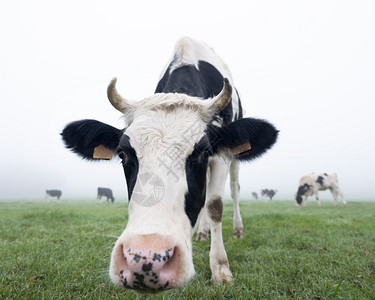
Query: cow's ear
[246, 138]
[91, 139]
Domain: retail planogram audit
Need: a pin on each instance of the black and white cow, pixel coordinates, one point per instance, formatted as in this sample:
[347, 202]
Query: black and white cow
[255, 195]
[53, 193]
[268, 193]
[312, 183]
[106, 192]
[177, 150]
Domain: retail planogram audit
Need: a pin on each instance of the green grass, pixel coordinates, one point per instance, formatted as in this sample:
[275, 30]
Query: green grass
[62, 251]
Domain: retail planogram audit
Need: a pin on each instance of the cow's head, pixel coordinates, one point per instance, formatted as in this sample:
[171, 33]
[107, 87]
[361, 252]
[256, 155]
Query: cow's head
[302, 189]
[165, 150]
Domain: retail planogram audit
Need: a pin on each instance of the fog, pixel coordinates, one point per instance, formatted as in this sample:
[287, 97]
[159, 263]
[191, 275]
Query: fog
[307, 67]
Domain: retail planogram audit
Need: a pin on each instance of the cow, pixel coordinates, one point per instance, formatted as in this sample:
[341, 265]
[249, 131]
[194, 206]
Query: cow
[53, 193]
[255, 195]
[176, 150]
[106, 192]
[312, 183]
[268, 193]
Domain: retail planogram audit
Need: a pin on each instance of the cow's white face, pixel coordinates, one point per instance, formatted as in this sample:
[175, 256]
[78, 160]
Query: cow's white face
[158, 143]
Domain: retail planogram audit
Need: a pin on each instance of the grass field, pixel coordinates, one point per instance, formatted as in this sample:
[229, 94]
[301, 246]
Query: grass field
[62, 251]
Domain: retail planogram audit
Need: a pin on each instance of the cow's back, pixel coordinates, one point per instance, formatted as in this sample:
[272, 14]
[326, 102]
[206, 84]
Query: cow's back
[330, 180]
[308, 179]
[196, 70]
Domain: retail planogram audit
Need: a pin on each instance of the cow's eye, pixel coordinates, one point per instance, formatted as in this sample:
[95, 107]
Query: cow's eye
[206, 154]
[121, 154]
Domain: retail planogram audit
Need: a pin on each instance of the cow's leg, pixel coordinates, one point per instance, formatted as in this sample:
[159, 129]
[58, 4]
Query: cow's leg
[204, 227]
[47, 198]
[334, 194]
[235, 190]
[317, 197]
[204, 223]
[305, 201]
[341, 194]
[214, 205]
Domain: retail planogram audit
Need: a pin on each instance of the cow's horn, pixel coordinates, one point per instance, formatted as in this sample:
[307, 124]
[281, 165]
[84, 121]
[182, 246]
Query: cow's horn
[220, 101]
[115, 98]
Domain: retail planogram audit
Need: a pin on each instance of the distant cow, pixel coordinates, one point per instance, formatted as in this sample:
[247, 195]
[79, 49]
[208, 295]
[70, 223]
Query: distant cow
[255, 195]
[268, 193]
[312, 183]
[106, 192]
[53, 193]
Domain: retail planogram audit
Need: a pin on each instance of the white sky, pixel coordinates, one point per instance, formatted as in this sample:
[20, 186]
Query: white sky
[306, 66]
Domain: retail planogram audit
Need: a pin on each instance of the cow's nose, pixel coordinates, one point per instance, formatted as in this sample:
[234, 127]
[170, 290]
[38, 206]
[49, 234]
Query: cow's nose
[147, 268]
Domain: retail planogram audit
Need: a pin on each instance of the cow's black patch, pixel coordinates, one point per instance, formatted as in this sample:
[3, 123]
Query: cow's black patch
[196, 169]
[147, 267]
[157, 257]
[163, 81]
[83, 136]
[184, 80]
[129, 162]
[325, 174]
[214, 82]
[204, 83]
[320, 180]
[302, 189]
[139, 282]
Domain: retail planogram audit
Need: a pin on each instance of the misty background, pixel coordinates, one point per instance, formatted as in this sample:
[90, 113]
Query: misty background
[307, 67]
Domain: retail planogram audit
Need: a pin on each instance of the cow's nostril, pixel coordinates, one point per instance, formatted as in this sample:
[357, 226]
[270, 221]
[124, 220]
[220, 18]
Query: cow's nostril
[121, 259]
[172, 263]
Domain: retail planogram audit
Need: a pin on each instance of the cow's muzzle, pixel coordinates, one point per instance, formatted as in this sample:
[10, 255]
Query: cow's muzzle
[147, 263]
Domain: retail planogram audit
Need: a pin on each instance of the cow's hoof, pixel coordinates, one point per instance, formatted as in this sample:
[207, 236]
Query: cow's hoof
[238, 233]
[222, 275]
[201, 236]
